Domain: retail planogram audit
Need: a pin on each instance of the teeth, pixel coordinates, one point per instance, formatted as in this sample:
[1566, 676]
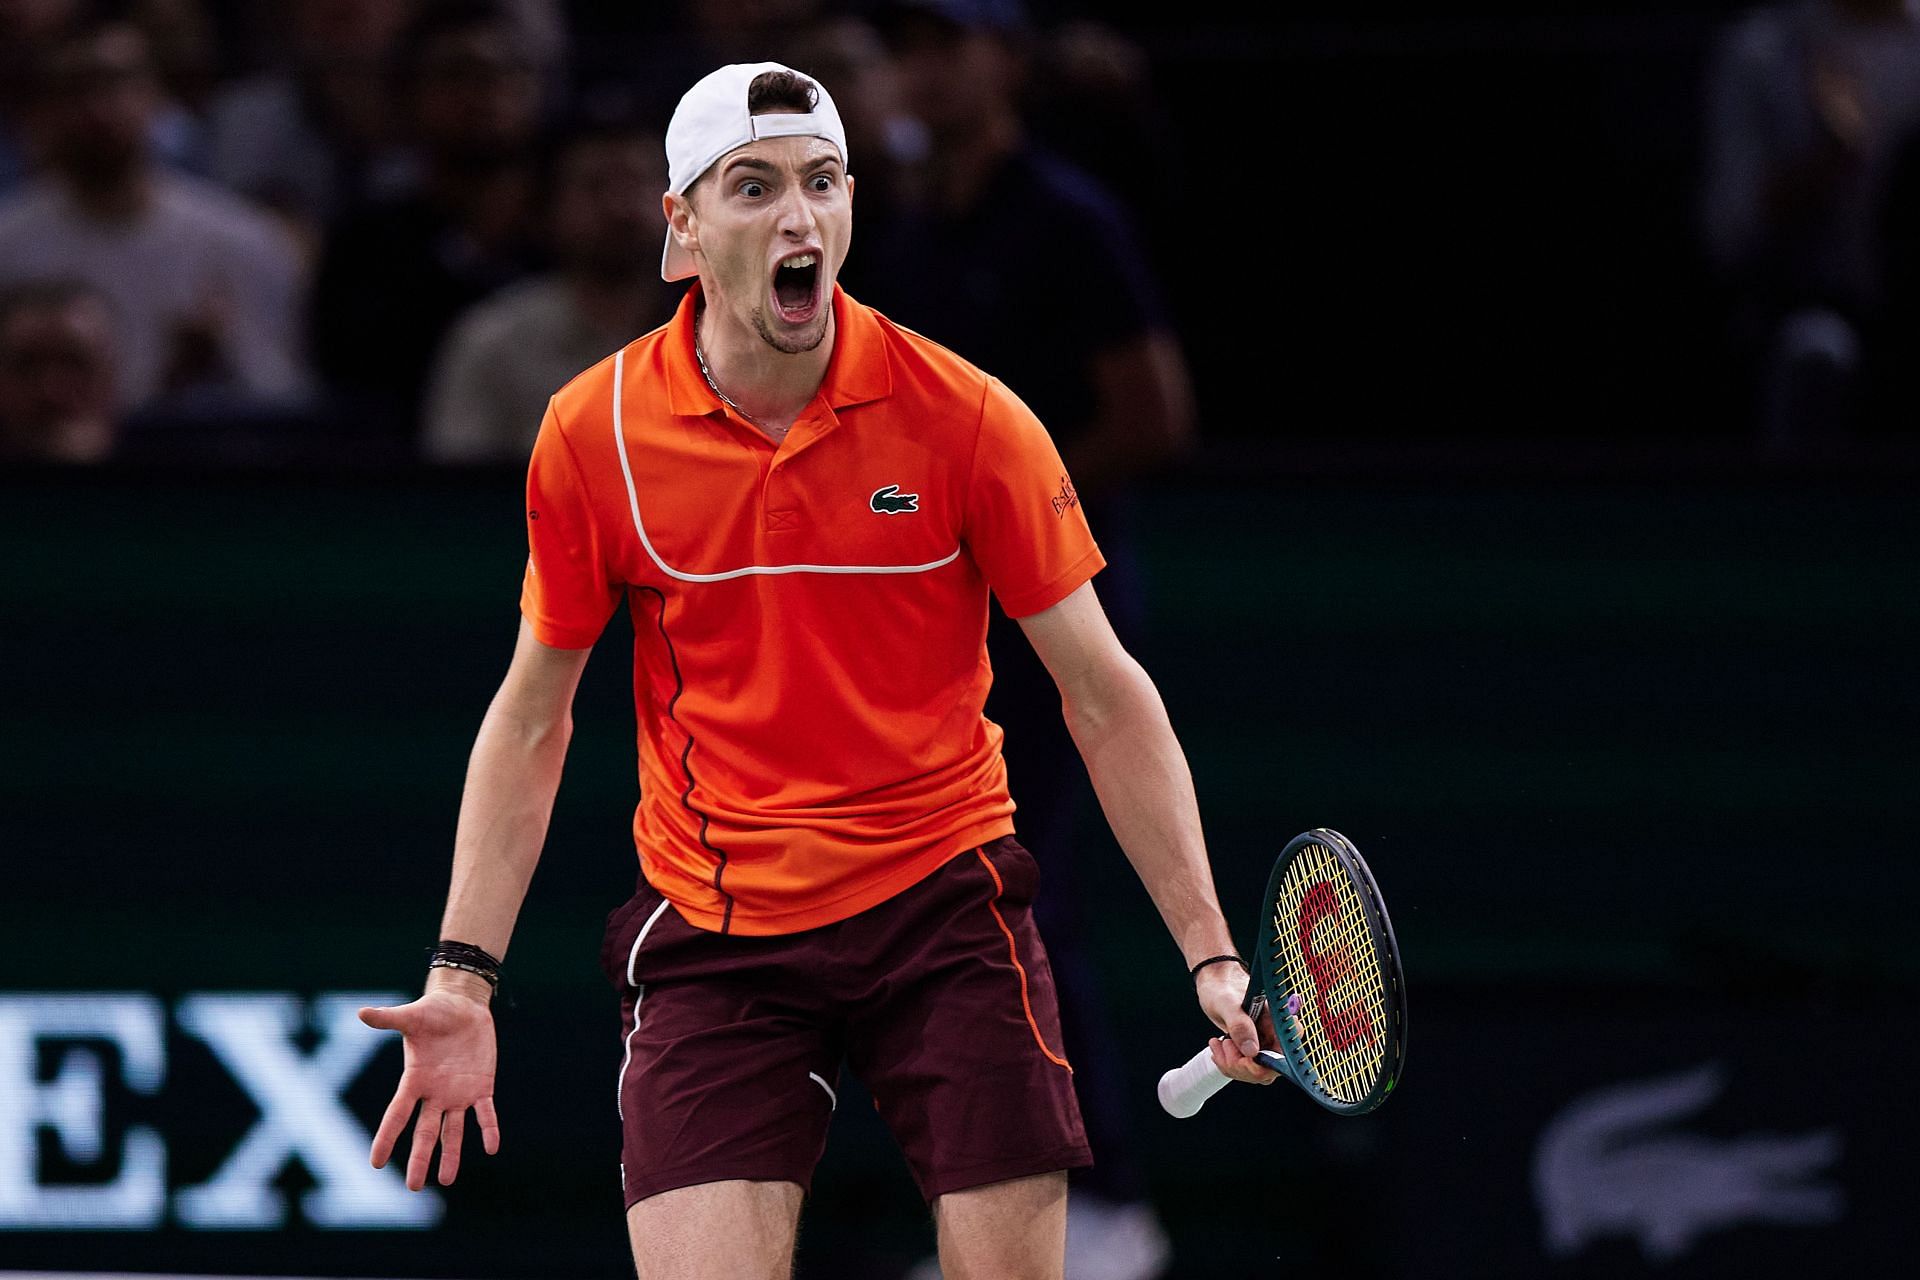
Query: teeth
[804, 260]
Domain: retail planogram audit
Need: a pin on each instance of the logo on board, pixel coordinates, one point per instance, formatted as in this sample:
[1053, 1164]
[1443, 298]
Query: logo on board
[70, 1160]
[1619, 1162]
[891, 502]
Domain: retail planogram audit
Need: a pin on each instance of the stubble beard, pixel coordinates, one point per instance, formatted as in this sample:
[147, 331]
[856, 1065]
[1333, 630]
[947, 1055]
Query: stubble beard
[793, 346]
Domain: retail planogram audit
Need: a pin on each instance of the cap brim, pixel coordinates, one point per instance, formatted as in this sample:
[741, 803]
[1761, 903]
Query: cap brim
[676, 263]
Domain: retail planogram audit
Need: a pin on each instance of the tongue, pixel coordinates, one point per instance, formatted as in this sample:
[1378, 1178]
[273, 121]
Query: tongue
[793, 288]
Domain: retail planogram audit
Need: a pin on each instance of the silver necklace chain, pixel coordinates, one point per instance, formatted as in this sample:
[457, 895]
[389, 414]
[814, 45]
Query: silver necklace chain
[714, 387]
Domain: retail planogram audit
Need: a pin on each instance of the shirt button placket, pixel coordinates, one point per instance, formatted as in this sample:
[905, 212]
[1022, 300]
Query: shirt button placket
[777, 515]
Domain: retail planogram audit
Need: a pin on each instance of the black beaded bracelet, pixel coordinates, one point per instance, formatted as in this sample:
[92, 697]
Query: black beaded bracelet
[446, 954]
[1195, 971]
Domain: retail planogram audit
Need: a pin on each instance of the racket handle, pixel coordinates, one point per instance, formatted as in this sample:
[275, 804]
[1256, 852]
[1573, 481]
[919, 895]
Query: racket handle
[1186, 1088]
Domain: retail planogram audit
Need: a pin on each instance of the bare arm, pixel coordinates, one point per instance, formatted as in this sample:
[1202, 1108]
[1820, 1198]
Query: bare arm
[512, 777]
[1140, 773]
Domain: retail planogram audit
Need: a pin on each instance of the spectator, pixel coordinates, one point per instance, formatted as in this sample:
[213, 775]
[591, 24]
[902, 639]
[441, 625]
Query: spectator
[205, 289]
[1009, 225]
[180, 42]
[1806, 105]
[889, 141]
[1092, 100]
[28, 28]
[742, 30]
[394, 274]
[312, 139]
[659, 49]
[513, 351]
[56, 373]
[1011, 230]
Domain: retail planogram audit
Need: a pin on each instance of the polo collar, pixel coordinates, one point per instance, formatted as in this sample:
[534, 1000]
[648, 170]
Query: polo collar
[857, 373]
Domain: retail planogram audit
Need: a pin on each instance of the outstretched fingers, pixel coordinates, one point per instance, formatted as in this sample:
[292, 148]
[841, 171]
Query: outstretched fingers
[436, 1081]
[426, 1132]
[392, 1123]
[453, 1132]
[489, 1125]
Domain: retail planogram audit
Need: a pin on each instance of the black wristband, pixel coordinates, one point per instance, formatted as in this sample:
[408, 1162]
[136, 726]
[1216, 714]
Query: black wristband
[1195, 971]
[447, 954]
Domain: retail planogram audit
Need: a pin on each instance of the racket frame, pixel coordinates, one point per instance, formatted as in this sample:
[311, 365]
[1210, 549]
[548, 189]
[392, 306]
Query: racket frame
[1270, 988]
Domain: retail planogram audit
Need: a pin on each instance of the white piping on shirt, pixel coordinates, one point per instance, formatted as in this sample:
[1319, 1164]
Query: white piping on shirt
[633, 503]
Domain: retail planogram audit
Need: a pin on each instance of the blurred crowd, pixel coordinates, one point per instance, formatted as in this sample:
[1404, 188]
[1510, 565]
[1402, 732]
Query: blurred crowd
[381, 230]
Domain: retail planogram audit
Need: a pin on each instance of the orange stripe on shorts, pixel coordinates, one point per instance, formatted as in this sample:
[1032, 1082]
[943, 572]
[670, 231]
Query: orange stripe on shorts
[1013, 954]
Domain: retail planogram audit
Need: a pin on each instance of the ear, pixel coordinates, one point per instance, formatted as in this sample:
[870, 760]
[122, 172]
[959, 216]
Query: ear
[682, 222]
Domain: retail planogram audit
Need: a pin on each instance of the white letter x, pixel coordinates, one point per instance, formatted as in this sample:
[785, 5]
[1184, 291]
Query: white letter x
[300, 1114]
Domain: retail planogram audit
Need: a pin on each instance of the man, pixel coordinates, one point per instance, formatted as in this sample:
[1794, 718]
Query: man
[310, 138]
[394, 274]
[56, 373]
[205, 289]
[503, 359]
[805, 506]
[1004, 226]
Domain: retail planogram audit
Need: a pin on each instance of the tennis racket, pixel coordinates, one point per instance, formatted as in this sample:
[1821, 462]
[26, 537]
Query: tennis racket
[1328, 970]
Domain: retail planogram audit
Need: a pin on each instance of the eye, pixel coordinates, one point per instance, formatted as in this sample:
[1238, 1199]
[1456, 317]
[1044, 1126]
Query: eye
[822, 182]
[752, 190]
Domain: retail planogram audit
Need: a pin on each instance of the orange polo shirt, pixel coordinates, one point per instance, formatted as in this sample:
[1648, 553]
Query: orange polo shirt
[809, 619]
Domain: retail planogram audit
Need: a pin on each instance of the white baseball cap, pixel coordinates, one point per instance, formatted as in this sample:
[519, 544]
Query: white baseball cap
[712, 120]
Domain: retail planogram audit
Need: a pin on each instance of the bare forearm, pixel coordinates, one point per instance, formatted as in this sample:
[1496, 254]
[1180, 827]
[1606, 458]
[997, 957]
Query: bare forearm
[512, 777]
[1141, 776]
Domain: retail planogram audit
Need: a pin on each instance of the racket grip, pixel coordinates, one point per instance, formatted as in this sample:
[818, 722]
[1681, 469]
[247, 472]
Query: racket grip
[1186, 1088]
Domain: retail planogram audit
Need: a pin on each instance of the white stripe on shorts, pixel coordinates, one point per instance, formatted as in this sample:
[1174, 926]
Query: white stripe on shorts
[620, 1085]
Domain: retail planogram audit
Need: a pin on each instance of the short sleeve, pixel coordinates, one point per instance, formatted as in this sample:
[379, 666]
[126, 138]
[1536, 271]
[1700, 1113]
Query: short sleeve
[1024, 526]
[568, 593]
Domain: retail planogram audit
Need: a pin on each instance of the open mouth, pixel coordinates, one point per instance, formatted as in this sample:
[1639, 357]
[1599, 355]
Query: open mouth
[796, 288]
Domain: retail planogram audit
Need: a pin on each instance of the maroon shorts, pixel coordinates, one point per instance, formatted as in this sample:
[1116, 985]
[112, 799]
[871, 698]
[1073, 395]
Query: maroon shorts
[939, 999]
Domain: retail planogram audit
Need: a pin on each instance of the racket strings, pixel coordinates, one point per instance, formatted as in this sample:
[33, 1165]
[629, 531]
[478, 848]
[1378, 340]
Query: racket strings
[1322, 940]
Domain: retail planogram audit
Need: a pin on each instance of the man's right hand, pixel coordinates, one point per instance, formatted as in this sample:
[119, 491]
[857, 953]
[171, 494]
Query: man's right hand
[449, 1046]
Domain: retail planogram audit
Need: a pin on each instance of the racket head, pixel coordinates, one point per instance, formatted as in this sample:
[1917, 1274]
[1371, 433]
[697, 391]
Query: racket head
[1324, 934]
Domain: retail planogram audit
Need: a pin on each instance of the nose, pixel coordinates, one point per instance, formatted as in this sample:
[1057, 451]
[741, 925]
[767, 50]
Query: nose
[795, 215]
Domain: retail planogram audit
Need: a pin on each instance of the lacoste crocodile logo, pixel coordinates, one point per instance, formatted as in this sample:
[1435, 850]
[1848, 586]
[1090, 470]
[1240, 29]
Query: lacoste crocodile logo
[891, 502]
[1616, 1162]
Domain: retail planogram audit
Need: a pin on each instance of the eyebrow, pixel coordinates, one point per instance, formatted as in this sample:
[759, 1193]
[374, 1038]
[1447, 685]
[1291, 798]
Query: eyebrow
[767, 166]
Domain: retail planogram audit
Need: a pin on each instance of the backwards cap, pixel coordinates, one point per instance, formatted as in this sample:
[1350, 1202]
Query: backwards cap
[712, 120]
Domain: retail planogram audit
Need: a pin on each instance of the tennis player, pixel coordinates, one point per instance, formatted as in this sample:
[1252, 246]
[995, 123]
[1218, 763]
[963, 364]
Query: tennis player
[804, 506]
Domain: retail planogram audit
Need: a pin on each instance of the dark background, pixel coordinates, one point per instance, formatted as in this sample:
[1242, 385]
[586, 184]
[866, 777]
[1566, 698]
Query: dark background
[1478, 563]
[1419, 227]
[1631, 758]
